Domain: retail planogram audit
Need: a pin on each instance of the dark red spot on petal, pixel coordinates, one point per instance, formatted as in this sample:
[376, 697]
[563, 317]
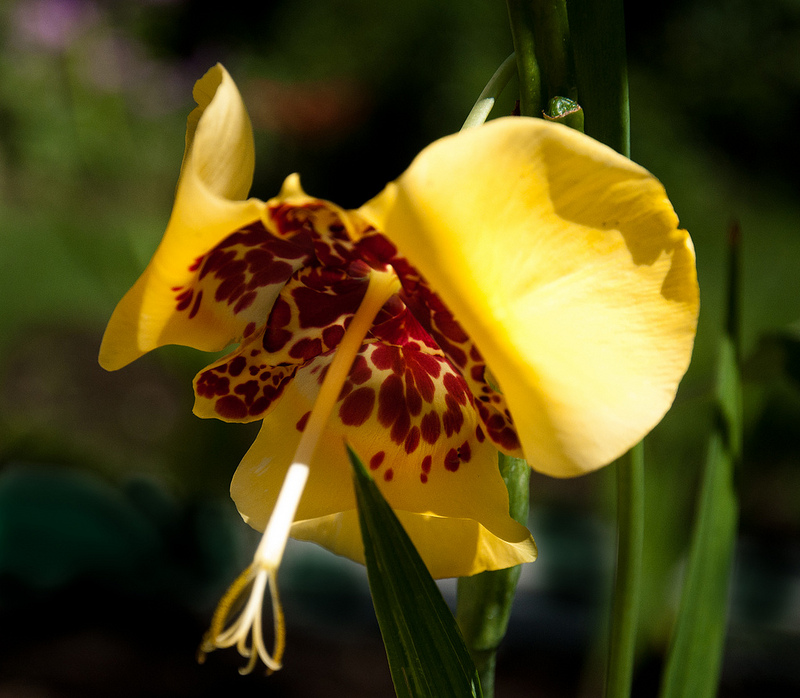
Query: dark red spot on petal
[332, 336]
[196, 307]
[453, 418]
[231, 407]
[376, 460]
[275, 339]
[390, 400]
[236, 365]
[306, 348]
[184, 299]
[248, 390]
[245, 302]
[412, 440]
[357, 407]
[281, 313]
[383, 357]
[430, 427]
[301, 423]
[388, 475]
[456, 387]
[401, 427]
[426, 463]
[360, 372]
[210, 384]
[451, 461]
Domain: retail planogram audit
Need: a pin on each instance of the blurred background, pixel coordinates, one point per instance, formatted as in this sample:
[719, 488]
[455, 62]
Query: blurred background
[116, 532]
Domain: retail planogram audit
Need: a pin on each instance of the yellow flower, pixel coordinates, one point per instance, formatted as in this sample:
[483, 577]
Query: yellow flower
[520, 287]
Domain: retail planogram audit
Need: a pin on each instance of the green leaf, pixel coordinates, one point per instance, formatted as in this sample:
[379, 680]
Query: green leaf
[427, 655]
[628, 577]
[695, 657]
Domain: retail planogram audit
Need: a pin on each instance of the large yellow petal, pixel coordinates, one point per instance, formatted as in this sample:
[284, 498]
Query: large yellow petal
[447, 490]
[210, 205]
[564, 262]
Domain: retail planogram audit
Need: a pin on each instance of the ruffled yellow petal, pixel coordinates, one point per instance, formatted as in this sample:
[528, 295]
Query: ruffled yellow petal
[450, 547]
[564, 262]
[456, 512]
[210, 205]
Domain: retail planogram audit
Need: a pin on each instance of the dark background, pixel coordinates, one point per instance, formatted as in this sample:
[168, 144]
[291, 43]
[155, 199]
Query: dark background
[116, 533]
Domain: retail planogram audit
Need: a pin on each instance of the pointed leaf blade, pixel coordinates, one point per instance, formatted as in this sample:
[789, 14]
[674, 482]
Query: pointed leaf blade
[427, 655]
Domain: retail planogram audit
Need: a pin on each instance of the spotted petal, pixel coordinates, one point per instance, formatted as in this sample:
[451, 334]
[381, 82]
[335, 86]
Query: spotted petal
[408, 414]
[563, 261]
[164, 306]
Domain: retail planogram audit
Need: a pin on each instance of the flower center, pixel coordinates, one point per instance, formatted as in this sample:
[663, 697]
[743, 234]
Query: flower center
[238, 618]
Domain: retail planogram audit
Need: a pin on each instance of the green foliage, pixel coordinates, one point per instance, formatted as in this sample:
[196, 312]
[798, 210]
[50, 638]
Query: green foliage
[695, 657]
[426, 652]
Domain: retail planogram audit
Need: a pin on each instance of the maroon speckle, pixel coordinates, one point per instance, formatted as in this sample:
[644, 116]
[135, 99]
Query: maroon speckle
[245, 302]
[332, 336]
[275, 339]
[376, 247]
[236, 366]
[196, 306]
[230, 289]
[451, 461]
[210, 385]
[275, 273]
[430, 427]
[479, 435]
[465, 452]
[324, 309]
[426, 463]
[390, 400]
[248, 390]
[401, 426]
[360, 372]
[357, 407]
[383, 357]
[301, 423]
[306, 348]
[452, 419]
[231, 407]
[446, 324]
[413, 398]
[376, 460]
[455, 386]
[412, 440]
[251, 327]
[184, 299]
[388, 475]
[423, 478]
[281, 313]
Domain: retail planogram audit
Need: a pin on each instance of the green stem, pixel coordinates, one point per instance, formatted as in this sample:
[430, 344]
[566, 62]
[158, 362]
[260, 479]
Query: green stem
[598, 36]
[554, 49]
[484, 601]
[627, 582]
[520, 14]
